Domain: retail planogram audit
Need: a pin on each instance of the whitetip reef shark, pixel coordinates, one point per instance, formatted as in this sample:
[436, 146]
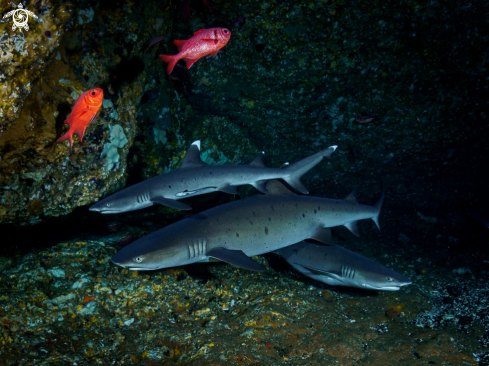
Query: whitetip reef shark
[194, 177]
[238, 230]
[337, 266]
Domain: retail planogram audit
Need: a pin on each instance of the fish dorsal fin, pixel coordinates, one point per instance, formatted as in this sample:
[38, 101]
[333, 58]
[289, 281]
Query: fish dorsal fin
[352, 197]
[258, 161]
[275, 188]
[179, 44]
[323, 235]
[192, 157]
[200, 30]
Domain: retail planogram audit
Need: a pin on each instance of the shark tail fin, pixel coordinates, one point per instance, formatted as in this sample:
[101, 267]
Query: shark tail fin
[378, 205]
[295, 171]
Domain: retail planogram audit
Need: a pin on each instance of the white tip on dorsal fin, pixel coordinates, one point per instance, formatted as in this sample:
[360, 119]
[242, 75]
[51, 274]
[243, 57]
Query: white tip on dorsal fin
[192, 157]
[334, 147]
[263, 152]
[258, 161]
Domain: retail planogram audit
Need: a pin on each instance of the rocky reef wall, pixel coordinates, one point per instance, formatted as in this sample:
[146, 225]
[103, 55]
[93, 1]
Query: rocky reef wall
[294, 78]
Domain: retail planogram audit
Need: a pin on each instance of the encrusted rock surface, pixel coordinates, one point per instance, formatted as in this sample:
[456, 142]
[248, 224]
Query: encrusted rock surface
[71, 304]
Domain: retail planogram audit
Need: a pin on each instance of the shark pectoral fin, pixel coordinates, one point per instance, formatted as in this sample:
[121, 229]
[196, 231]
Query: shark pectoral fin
[352, 226]
[275, 188]
[192, 157]
[170, 203]
[323, 235]
[237, 258]
[258, 161]
[229, 189]
[332, 274]
[261, 186]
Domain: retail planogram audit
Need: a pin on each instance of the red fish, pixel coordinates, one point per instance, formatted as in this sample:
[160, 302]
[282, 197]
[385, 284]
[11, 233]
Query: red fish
[205, 42]
[84, 111]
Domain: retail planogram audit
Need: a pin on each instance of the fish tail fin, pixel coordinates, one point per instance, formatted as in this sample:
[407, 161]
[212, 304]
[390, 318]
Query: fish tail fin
[378, 205]
[295, 171]
[67, 136]
[171, 61]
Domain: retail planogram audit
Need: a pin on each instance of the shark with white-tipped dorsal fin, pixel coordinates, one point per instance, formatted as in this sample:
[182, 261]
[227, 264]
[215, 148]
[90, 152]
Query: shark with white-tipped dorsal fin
[238, 230]
[194, 177]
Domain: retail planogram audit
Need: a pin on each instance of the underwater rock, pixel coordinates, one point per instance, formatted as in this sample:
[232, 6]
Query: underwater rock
[110, 152]
[24, 55]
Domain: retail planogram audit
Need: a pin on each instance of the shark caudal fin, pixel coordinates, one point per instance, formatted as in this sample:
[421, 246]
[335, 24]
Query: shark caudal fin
[295, 171]
[171, 61]
[378, 205]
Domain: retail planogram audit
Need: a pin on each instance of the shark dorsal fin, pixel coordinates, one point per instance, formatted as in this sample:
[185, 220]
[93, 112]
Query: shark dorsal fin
[275, 188]
[192, 157]
[352, 197]
[258, 161]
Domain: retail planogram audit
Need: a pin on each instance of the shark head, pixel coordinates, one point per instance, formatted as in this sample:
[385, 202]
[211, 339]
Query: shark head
[392, 281]
[379, 279]
[154, 251]
[121, 202]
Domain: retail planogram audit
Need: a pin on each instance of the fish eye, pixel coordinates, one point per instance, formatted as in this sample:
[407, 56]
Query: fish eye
[93, 92]
[389, 279]
[108, 204]
[138, 259]
[225, 31]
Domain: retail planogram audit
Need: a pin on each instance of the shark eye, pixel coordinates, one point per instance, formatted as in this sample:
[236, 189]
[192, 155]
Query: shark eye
[389, 279]
[138, 259]
[108, 204]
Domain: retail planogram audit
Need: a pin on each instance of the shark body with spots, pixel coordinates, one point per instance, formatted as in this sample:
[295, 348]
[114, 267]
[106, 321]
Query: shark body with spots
[195, 177]
[236, 231]
[337, 266]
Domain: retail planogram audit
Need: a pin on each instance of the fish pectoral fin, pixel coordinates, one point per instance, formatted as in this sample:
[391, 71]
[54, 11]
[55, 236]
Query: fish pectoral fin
[353, 227]
[213, 54]
[192, 156]
[170, 203]
[210, 40]
[331, 274]
[276, 188]
[229, 189]
[236, 258]
[323, 235]
[261, 186]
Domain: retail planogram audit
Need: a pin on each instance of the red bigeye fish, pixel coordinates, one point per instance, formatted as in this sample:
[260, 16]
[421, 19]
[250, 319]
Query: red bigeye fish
[84, 111]
[205, 42]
